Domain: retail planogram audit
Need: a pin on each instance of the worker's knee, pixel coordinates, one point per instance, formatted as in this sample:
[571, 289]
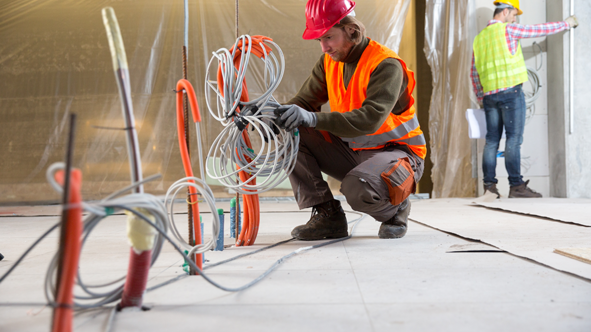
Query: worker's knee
[360, 194]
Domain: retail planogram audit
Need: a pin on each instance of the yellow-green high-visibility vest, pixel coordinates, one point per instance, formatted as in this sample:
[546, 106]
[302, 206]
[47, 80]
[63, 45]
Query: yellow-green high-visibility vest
[496, 66]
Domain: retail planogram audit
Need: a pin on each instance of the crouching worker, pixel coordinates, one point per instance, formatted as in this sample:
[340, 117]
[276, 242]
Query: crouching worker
[371, 140]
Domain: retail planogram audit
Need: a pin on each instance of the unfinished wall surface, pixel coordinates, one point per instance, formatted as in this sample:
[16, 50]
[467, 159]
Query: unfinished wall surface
[569, 134]
[55, 60]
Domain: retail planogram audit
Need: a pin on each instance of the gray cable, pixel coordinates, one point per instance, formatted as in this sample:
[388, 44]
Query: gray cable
[259, 278]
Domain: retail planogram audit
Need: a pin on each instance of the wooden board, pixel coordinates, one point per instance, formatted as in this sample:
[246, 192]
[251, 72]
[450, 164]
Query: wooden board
[581, 254]
[473, 247]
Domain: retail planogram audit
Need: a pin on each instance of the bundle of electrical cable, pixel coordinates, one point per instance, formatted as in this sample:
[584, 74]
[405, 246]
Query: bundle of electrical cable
[97, 295]
[531, 97]
[151, 210]
[232, 154]
[207, 195]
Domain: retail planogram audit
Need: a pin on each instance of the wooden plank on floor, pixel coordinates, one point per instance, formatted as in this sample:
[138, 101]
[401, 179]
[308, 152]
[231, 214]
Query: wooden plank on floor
[581, 254]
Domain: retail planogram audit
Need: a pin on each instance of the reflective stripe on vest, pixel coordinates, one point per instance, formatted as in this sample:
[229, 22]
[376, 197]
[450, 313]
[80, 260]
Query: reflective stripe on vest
[496, 66]
[401, 129]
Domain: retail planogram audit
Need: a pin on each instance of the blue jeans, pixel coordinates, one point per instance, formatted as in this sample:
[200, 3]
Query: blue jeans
[504, 109]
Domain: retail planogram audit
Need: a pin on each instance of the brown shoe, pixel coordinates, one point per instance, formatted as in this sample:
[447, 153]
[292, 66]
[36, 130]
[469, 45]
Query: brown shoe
[397, 225]
[328, 221]
[523, 191]
[493, 189]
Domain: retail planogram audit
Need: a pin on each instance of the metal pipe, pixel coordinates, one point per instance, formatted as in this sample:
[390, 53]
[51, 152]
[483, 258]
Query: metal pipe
[444, 55]
[122, 77]
[571, 83]
[187, 27]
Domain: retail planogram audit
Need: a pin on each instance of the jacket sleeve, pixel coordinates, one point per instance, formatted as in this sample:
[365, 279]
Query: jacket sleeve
[313, 93]
[385, 94]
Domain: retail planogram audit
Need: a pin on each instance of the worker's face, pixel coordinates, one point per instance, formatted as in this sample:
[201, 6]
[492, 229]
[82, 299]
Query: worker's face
[511, 15]
[335, 44]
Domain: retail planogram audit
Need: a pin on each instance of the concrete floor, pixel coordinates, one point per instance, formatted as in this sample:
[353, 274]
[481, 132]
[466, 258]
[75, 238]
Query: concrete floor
[361, 284]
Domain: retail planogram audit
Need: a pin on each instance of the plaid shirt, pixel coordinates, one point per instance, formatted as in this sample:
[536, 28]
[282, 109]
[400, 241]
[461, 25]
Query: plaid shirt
[513, 33]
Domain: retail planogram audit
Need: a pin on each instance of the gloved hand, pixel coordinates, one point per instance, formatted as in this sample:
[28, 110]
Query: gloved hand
[290, 117]
[572, 21]
[271, 125]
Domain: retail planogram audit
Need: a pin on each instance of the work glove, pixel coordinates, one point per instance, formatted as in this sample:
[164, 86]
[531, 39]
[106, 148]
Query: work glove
[572, 21]
[290, 117]
[271, 125]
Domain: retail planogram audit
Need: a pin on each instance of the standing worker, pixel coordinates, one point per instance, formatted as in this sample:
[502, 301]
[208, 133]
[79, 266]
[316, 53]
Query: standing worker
[371, 140]
[498, 72]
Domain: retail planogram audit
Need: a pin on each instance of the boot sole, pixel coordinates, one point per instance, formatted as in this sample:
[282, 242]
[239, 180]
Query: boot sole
[391, 237]
[338, 236]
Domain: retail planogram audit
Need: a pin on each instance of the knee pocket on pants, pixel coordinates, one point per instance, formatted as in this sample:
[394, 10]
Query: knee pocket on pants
[400, 179]
[359, 193]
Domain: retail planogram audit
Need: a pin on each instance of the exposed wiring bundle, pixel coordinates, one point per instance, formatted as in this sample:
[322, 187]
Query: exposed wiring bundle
[232, 159]
[232, 151]
[150, 207]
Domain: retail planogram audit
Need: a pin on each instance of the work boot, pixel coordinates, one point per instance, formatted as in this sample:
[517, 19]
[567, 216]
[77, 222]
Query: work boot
[523, 191]
[493, 189]
[328, 221]
[397, 225]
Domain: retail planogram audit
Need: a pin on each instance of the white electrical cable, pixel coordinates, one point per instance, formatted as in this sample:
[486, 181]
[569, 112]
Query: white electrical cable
[207, 194]
[96, 295]
[229, 154]
[536, 86]
[531, 97]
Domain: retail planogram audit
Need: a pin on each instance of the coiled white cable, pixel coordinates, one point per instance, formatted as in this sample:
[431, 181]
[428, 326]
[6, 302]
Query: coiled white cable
[531, 97]
[230, 154]
[207, 194]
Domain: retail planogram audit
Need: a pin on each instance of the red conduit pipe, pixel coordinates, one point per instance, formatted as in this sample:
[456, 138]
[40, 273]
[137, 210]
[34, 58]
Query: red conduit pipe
[137, 278]
[185, 85]
[63, 314]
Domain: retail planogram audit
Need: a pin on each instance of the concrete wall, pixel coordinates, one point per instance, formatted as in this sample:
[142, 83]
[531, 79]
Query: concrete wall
[570, 151]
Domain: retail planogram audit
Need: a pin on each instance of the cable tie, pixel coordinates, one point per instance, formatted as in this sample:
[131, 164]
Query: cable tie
[187, 200]
[240, 122]
[109, 210]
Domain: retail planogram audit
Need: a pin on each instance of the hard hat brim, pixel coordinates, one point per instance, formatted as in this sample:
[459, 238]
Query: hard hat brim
[315, 34]
[519, 11]
[310, 34]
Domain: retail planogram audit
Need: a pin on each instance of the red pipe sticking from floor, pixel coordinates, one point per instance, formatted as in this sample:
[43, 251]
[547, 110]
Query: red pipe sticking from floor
[63, 313]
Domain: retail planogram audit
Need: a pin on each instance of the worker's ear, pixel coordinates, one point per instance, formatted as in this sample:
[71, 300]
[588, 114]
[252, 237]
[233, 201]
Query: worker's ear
[350, 30]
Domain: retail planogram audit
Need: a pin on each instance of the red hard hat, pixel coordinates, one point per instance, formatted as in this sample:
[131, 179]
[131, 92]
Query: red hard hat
[321, 15]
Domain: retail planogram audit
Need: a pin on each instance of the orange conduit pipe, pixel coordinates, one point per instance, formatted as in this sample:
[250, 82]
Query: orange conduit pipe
[184, 85]
[63, 314]
[251, 220]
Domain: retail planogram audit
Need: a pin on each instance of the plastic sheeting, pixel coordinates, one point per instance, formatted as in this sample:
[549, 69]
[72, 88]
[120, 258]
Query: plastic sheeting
[448, 49]
[54, 60]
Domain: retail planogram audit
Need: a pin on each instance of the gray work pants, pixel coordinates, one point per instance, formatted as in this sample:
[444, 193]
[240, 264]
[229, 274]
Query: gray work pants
[360, 172]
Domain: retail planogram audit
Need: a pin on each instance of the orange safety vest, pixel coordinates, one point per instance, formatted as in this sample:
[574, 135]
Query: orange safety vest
[400, 129]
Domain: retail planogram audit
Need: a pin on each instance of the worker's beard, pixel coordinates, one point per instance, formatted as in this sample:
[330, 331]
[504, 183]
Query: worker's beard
[341, 53]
